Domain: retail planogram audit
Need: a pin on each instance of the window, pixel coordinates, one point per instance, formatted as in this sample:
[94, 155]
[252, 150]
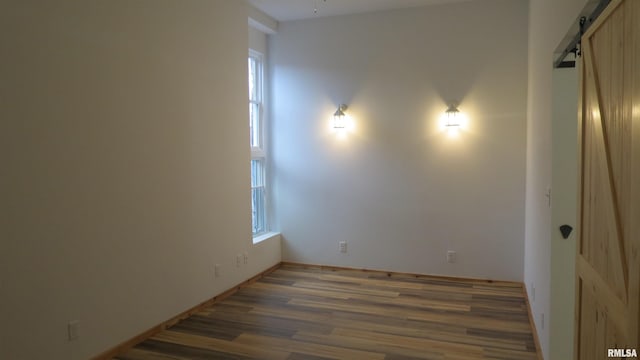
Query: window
[257, 143]
[255, 100]
[258, 197]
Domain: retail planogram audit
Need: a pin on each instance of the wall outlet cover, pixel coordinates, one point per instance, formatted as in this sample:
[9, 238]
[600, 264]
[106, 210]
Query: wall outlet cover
[73, 329]
[451, 256]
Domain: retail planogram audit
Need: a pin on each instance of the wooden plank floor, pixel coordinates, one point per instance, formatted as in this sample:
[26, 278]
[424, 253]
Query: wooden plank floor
[299, 312]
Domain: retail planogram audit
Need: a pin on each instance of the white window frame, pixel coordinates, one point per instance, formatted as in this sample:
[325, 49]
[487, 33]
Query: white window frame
[260, 152]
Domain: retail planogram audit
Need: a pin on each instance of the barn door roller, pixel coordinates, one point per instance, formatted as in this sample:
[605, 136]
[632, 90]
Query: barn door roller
[573, 47]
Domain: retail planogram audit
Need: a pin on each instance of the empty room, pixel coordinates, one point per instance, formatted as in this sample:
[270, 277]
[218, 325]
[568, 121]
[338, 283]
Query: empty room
[320, 179]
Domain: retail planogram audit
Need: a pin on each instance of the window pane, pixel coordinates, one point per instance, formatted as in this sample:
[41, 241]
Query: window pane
[258, 214]
[258, 193]
[253, 79]
[257, 173]
[254, 124]
[251, 122]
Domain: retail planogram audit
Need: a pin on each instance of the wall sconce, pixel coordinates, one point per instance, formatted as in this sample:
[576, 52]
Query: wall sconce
[339, 118]
[453, 121]
[453, 117]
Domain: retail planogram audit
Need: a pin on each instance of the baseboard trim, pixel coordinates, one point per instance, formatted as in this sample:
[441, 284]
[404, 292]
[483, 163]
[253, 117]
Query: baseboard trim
[534, 331]
[128, 344]
[402, 274]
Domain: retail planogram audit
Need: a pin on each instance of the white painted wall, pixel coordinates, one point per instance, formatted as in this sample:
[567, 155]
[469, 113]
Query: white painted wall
[257, 40]
[563, 211]
[397, 189]
[549, 21]
[125, 168]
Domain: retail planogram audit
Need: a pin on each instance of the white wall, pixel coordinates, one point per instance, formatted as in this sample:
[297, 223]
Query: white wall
[549, 21]
[257, 40]
[125, 168]
[563, 211]
[397, 189]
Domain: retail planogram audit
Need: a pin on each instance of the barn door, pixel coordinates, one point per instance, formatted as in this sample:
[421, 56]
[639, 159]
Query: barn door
[608, 259]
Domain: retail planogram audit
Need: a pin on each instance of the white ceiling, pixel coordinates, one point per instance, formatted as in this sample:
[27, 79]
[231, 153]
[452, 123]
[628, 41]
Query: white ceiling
[286, 10]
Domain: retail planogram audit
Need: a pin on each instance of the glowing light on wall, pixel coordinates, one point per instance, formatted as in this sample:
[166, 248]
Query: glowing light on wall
[453, 121]
[340, 118]
[341, 122]
[453, 117]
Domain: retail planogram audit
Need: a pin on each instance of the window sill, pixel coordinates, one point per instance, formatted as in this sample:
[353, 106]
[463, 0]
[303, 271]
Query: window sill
[265, 236]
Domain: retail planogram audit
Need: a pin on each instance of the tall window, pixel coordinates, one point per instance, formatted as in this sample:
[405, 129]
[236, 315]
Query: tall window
[257, 142]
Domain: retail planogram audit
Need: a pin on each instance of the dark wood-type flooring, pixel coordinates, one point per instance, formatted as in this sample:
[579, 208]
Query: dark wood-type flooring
[299, 312]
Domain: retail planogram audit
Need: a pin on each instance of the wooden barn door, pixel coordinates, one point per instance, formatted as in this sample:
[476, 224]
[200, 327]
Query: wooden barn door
[608, 259]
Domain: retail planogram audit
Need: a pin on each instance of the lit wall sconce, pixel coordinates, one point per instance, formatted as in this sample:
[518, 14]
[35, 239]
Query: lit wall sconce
[453, 121]
[339, 117]
[453, 117]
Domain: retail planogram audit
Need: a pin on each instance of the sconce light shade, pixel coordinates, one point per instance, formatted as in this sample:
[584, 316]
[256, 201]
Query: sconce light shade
[339, 118]
[453, 116]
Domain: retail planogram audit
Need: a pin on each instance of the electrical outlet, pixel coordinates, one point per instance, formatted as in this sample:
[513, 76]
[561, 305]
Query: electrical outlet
[343, 246]
[216, 270]
[238, 260]
[73, 330]
[533, 293]
[451, 256]
[246, 258]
